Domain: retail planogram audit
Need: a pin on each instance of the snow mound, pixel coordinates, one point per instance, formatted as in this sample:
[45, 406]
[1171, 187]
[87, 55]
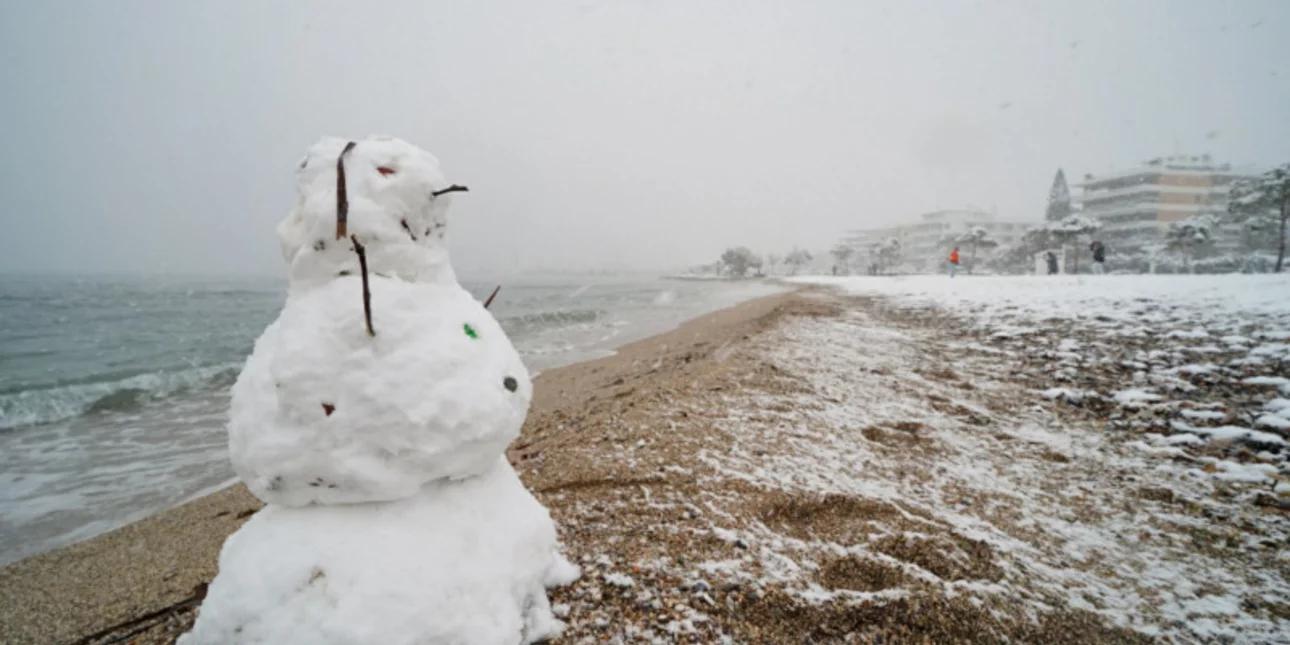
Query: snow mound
[1136, 397]
[1280, 382]
[391, 573]
[390, 187]
[325, 413]
[1237, 433]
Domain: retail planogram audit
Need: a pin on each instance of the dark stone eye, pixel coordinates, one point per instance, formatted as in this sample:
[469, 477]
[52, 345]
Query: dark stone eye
[510, 383]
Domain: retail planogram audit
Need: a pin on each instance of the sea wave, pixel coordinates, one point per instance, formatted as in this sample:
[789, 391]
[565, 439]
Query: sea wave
[49, 405]
[548, 319]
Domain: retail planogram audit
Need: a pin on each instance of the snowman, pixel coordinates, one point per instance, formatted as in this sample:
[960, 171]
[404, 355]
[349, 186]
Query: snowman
[372, 419]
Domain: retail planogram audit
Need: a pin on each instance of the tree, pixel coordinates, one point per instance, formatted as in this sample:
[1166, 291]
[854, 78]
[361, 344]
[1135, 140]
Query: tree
[976, 238]
[1016, 258]
[771, 261]
[755, 263]
[888, 251]
[1037, 239]
[737, 260]
[841, 254]
[1059, 199]
[1266, 196]
[1191, 237]
[797, 258]
[1154, 253]
[1069, 231]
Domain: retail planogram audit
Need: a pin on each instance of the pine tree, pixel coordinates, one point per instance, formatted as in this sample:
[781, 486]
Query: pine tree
[976, 238]
[1059, 199]
[1069, 231]
[1191, 238]
[1265, 197]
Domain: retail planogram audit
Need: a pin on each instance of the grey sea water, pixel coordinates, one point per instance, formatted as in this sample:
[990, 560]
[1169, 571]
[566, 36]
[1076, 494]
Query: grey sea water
[113, 391]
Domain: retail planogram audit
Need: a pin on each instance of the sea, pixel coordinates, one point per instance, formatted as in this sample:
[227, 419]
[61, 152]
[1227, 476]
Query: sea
[114, 390]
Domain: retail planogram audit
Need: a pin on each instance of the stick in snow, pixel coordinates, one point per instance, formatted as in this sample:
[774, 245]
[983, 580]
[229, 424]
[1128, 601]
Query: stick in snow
[451, 189]
[492, 295]
[408, 229]
[367, 294]
[342, 199]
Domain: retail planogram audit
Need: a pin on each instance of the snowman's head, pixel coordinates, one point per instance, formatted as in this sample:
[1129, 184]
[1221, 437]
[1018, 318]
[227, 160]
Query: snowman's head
[397, 202]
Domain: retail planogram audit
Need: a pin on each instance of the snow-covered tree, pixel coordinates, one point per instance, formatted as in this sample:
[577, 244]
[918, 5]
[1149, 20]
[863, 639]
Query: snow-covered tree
[1037, 239]
[842, 255]
[1191, 238]
[977, 238]
[1263, 202]
[772, 261]
[1059, 199]
[757, 265]
[737, 260]
[888, 252]
[1014, 258]
[797, 258]
[1069, 231]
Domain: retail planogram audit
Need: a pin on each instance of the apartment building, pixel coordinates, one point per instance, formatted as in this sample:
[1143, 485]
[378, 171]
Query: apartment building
[1137, 205]
[925, 243]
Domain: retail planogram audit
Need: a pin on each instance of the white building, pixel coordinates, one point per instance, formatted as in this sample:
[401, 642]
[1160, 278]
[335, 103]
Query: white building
[926, 243]
[1137, 205]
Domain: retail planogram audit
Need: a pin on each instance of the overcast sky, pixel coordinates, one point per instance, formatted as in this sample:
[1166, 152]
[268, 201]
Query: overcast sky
[162, 135]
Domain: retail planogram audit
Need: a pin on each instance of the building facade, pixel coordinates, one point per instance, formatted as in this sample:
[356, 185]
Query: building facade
[1136, 206]
[926, 243]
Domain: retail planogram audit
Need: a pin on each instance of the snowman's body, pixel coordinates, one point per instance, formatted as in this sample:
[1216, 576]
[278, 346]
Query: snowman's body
[392, 515]
[460, 563]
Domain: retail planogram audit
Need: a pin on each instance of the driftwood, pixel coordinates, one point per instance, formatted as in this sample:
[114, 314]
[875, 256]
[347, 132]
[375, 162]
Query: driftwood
[135, 626]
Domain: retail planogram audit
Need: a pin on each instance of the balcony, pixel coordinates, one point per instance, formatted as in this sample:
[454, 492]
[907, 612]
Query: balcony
[1150, 189]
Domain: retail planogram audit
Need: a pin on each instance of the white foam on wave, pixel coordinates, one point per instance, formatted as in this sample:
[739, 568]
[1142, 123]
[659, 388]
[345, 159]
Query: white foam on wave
[48, 405]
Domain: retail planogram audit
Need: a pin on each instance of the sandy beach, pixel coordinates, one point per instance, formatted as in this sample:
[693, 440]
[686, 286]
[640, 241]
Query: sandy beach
[806, 467]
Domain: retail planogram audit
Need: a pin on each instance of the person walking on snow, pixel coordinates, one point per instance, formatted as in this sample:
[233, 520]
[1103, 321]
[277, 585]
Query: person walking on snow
[1099, 257]
[954, 261]
[1052, 263]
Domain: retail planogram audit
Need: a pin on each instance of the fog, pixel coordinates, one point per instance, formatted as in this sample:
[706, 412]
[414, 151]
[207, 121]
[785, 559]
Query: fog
[161, 136]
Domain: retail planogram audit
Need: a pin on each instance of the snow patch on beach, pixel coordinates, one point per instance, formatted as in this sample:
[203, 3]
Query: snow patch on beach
[929, 442]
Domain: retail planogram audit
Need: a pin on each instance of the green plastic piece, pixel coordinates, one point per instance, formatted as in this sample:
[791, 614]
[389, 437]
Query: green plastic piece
[470, 331]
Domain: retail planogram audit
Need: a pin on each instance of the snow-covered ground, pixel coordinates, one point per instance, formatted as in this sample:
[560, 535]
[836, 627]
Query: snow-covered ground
[1066, 296]
[1207, 354]
[1108, 445]
[992, 460]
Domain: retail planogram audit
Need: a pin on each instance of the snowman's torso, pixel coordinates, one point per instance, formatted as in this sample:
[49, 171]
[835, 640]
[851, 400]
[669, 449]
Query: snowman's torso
[323, 413]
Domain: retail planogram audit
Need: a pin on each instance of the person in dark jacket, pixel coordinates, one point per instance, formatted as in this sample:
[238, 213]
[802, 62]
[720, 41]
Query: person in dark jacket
[1052, 263]
[1099, 256]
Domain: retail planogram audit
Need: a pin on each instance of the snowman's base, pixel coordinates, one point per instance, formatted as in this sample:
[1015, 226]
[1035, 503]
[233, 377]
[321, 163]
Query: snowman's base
[461, 563]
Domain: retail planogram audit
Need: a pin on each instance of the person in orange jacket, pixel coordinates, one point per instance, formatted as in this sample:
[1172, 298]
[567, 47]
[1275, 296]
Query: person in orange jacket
[954, 261]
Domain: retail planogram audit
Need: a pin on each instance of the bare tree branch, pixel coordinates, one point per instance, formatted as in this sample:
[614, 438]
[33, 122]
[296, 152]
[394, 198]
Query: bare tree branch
[451, 189]
[367, 294]
[342, 198]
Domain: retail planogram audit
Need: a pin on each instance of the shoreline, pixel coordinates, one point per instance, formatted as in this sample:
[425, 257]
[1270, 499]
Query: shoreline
[73, 592]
